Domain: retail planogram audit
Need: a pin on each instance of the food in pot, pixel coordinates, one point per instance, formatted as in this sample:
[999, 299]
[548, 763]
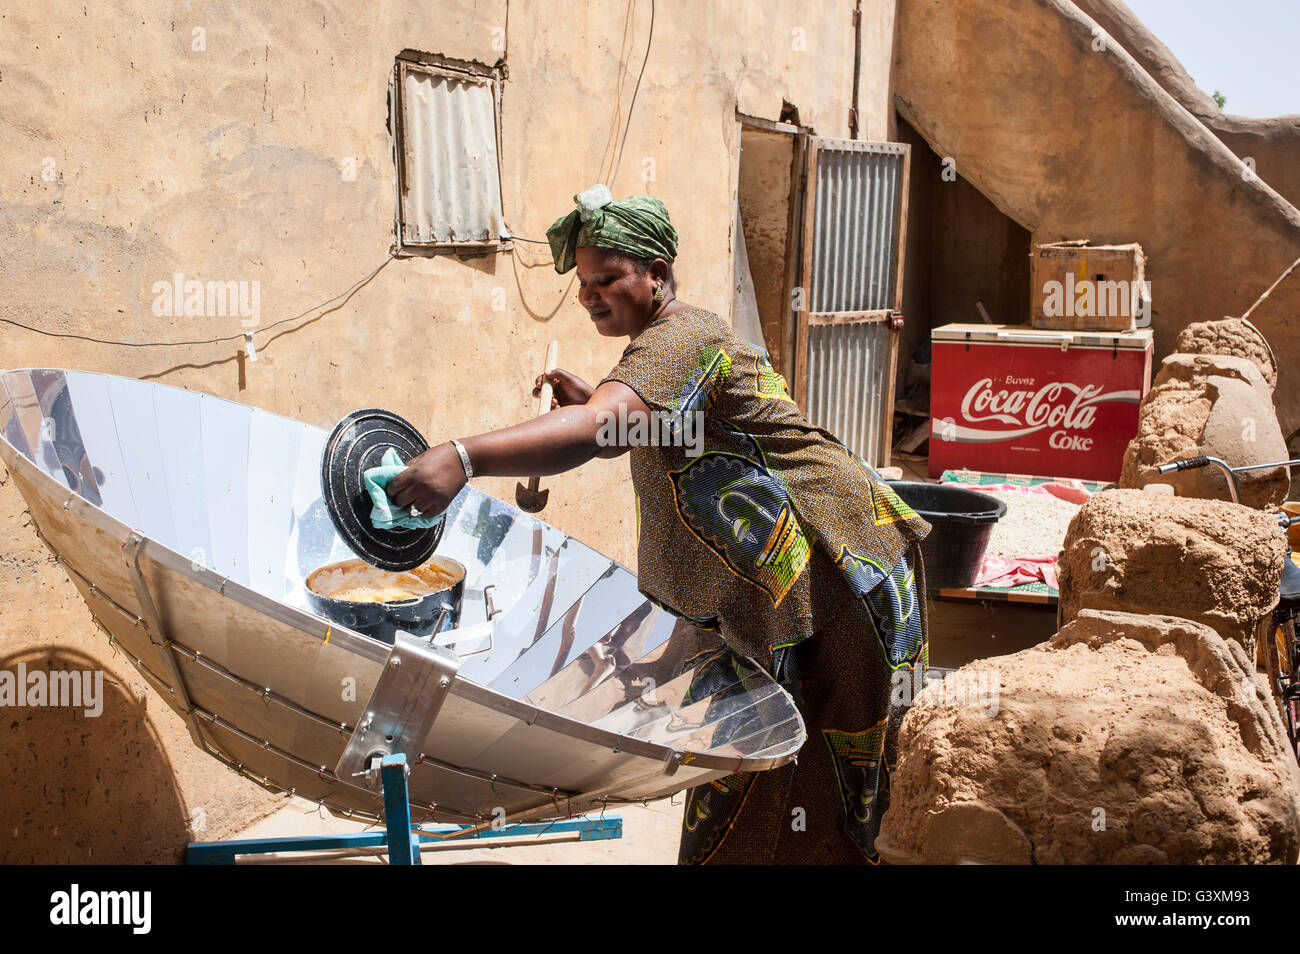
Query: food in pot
[355, 581]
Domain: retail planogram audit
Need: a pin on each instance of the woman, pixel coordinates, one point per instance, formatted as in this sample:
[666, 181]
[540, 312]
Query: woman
[776, 535]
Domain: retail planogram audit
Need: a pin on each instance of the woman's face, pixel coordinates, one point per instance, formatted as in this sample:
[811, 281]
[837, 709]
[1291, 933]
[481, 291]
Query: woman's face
[619, 299]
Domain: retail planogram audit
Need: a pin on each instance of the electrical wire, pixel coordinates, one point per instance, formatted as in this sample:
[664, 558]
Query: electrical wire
[178, 344]
[627, 126]
[632, 106]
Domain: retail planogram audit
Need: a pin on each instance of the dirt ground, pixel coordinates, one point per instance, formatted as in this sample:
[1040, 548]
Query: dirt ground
[1205, 560]
[1229, 336]
[1126, 739]
[1209, 404]
[650, 836]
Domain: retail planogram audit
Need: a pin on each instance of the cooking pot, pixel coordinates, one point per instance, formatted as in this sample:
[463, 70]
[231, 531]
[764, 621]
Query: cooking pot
[353, 594]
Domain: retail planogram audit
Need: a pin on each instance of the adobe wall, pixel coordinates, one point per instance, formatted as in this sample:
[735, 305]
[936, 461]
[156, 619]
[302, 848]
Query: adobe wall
[1273, 143]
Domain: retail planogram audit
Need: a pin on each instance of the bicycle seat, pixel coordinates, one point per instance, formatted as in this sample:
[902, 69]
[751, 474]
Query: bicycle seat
[1289, 589]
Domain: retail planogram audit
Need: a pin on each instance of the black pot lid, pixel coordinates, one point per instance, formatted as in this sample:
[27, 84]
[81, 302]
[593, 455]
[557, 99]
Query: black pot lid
[357, 443]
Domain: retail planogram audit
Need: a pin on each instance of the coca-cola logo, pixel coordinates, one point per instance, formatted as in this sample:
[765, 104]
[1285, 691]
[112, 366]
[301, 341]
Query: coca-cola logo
[1055, 404]
[1026, 409]
[1063, 441]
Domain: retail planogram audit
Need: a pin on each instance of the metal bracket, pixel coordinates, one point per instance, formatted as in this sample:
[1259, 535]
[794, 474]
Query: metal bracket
[402, 707]
[673, 761]
[474, 634]
[133, 548]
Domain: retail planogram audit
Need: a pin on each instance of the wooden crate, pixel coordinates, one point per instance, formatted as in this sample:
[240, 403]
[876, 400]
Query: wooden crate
[1078, 287]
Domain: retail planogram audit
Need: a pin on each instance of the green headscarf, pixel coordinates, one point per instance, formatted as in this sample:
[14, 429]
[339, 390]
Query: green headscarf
[637, 225]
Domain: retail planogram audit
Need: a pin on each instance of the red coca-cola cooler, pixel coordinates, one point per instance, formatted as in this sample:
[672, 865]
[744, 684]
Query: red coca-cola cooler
[1017, 400]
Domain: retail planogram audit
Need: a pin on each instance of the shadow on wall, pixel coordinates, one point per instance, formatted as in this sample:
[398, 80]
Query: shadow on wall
[78, 788]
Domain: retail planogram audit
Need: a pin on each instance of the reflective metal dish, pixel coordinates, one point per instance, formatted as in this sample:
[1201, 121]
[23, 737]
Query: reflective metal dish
[189, 524]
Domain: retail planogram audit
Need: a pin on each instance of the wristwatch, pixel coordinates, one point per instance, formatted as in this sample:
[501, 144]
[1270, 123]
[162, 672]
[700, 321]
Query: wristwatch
[464, 458]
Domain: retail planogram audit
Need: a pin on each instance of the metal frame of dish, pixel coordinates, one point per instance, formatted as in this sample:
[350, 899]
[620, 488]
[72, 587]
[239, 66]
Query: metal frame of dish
[591, 695]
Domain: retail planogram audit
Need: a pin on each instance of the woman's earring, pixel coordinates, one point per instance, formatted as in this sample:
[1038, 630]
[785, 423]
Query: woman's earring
[659, 293]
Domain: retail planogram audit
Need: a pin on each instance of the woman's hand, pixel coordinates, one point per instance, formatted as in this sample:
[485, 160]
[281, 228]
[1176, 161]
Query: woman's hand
[431, 481]
[566, 388]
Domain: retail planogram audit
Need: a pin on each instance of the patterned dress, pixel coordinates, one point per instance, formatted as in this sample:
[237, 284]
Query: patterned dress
[754, 523]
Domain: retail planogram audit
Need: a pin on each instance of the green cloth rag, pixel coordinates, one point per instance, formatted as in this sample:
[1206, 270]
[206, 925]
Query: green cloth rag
[637, 225]
[387, 515]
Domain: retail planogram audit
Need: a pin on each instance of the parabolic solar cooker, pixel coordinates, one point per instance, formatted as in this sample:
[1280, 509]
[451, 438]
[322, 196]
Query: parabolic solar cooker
[190, 525]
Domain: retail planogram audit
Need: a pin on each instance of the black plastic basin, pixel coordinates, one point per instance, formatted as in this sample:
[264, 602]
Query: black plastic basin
[961, 521]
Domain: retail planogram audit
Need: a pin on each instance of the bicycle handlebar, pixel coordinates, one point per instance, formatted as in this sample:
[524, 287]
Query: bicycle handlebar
[1229, 473]
[1188, 464]
[1201, 461]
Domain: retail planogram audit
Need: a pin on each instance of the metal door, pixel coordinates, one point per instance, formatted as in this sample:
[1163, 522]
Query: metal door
[850, 289]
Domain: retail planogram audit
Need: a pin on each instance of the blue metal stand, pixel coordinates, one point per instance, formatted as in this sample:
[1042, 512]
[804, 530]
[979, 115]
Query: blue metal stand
[403, 849]
[397, 811]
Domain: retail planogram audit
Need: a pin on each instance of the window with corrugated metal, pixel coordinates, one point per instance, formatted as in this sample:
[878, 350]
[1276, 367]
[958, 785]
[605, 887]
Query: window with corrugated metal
[448, 179]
